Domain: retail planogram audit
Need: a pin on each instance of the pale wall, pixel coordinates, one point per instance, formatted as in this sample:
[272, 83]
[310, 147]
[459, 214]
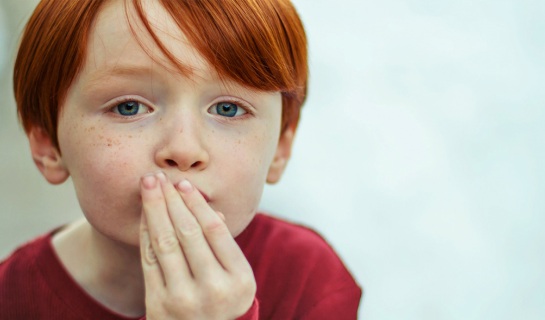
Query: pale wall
[420, 154]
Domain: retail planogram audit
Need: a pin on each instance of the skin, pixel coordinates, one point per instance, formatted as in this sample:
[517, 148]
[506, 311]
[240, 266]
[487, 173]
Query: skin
[153, 180]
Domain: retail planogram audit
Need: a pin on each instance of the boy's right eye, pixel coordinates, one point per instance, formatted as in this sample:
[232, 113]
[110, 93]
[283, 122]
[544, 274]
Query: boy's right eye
[130, 108]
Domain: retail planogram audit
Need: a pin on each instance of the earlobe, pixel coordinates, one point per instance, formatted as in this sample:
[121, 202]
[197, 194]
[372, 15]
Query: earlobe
[46, 156]
[282, 155]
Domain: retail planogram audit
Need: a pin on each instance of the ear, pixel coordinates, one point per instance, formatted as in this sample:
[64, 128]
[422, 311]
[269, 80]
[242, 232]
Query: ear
[282, 155]
[46, 156]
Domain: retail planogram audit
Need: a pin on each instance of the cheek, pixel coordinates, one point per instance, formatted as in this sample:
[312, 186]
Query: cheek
[91, 150]
[252, 155]
[105, 174]
[244, 178]
[245, 163]
[97, 159]
[94, 143]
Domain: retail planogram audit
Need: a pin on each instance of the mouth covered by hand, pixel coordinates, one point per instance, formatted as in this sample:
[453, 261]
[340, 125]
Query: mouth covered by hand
[192, 266]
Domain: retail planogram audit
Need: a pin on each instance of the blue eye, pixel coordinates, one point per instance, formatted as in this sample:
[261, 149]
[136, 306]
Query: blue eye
[130, 108]
[227, 109]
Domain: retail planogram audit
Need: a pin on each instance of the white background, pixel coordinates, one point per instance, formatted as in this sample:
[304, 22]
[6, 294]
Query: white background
[419, 155]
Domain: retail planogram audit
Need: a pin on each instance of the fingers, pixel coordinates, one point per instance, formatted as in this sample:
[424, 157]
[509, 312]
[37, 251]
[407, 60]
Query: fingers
[182, 236]
[159, 232]
[199, 257]
[218, 237]
[192, 266]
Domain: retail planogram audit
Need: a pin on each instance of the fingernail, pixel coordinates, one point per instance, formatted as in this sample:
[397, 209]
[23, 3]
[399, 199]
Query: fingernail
[149, 182]
[161, 176]
[185, 186]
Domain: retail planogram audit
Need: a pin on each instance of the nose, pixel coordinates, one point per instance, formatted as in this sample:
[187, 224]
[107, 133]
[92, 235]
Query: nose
[183, 147]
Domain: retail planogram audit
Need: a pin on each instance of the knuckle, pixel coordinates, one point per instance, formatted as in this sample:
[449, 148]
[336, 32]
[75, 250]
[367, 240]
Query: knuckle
[247, 284]
[248, 281]
[215, 227]
[147, 251]
[215, 289]
[189, 230]
[244, 284]
[182, 302]
[187, 305]
[149, 254]
[166, 242]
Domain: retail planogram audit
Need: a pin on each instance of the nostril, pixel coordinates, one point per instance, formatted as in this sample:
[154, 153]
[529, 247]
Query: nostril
[172, 163]
[196, 164]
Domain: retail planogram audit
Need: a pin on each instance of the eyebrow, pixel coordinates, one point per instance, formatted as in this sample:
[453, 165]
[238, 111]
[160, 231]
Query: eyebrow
[98, 77]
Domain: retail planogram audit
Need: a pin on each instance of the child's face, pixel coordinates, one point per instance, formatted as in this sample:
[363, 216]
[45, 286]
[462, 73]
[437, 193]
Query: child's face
[126, 116]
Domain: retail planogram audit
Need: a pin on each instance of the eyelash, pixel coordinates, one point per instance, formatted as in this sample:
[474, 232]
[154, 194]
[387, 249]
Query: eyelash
[238, 103]
[116, 103]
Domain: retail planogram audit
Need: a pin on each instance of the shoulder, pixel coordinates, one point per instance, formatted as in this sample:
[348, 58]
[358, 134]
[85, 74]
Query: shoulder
[18, 272]
[23, 282]
[300, 246]
[297, 263]
[23, 258]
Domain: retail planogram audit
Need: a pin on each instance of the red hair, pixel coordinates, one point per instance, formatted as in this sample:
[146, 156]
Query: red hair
[260, 44]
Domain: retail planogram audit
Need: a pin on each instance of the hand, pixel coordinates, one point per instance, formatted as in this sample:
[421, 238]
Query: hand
[193, 268]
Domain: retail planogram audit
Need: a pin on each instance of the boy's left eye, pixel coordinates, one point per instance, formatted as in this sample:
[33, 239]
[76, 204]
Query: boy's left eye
[130, 108]
[227, 109]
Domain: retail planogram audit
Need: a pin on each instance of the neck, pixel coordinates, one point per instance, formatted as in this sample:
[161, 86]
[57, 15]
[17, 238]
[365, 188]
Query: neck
[109, 271]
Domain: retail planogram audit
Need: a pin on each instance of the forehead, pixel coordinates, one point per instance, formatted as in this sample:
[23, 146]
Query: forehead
[119, 43]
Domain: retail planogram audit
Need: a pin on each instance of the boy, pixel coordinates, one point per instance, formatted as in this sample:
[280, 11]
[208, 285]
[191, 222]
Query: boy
[169, 116]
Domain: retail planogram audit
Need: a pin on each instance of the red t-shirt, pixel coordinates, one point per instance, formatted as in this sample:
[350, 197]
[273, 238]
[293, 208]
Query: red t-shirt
[298, 276]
